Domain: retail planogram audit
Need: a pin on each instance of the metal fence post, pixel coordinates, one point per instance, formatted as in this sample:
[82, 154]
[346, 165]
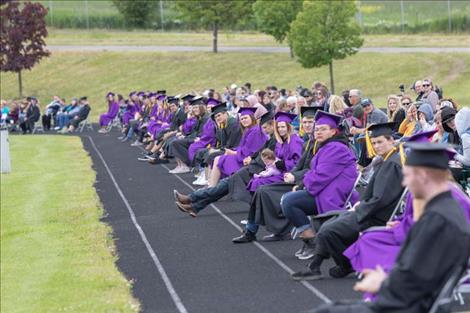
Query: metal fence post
[450, 16]
[51, 12]
[402, 16]
[5, 166]
[86, 15]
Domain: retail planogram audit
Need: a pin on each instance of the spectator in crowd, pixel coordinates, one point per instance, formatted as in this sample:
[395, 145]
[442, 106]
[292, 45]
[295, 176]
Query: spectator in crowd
[395, 111]
[429, 95]
[32, 115]
[81, 116]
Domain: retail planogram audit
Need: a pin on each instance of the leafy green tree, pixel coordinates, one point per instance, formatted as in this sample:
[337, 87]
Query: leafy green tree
[137, 13]
[215, 14]
[275, 17]
[22, 37]
[325, 31]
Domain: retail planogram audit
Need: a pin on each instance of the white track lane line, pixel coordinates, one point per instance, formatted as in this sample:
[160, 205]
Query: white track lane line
[307, 285]
[169, 286]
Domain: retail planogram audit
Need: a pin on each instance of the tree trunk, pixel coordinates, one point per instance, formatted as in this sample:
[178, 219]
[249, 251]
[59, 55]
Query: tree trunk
[214, 37]
[332, 82]
[291, 51]
[20, 84]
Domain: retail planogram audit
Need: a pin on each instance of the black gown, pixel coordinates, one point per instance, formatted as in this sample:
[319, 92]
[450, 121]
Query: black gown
[265, 206]
[436, 245]
[179, 147]
[377, 204]
[238, 181]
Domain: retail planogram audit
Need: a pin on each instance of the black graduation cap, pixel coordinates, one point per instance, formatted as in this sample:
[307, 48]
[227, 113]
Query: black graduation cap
[196, 101]
[222, 107]
[434, 155]
[161, 92]
[309, 111]
[187, 97]
[266, 117]
[83, 98]
[172, 100]
[382, 129]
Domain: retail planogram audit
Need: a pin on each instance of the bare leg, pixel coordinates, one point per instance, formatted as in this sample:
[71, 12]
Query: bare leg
[215, 173]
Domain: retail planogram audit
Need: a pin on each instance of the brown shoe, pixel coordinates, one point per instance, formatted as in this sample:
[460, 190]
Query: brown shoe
[186, 208]
[181, 198]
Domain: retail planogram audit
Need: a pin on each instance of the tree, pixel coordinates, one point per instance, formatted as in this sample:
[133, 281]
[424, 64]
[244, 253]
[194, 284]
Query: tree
[22, 34]
[325, 31]
[137, 13]
[275, 17]
[215, 14]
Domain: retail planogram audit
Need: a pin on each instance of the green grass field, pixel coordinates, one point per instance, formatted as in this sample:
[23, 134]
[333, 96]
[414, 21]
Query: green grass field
[77, 37]
[93, 74]
[56, 256]
[376, 14]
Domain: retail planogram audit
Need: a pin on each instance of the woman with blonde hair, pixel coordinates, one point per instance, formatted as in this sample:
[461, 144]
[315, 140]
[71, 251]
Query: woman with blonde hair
[395, 112]
[337, 105]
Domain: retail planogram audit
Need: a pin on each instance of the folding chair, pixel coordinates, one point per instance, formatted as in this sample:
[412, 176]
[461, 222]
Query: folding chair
[463, 287]
[319, 219]
[116, 122]
[38, 128]
[443, 301]
[398, 210]
[84, 125]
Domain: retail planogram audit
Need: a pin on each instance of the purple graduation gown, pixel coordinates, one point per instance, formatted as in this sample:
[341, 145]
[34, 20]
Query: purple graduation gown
[331, 176]
[162, 121]
[252, 140]
[188, 125]
[130, 113]
[290, 153]
[381, 247]
[207, 138]
[108, 117]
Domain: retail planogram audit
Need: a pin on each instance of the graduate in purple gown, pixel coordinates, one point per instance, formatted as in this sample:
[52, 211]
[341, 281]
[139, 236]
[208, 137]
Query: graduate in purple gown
[207, 138]
[288, 150]
[113, 110]
[160, 117]
[252, 139]
[131, 108]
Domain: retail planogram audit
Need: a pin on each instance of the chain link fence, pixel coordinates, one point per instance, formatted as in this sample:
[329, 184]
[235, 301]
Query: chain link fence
[375, 16]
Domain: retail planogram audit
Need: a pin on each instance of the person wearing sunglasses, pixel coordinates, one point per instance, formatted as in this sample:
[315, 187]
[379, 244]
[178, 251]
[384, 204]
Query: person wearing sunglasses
[429, 94]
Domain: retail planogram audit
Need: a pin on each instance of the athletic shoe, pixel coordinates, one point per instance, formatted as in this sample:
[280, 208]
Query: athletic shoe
[181, 170]
[136, 144]
[246, 236]
[309, 274]
[340, 272]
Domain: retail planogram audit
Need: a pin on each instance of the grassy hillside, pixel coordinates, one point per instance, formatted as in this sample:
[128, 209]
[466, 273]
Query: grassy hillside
[56, 255]
[93, 74]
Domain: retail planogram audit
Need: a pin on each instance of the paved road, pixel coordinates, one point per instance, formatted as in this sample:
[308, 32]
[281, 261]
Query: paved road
[183, 264]
[248, 49]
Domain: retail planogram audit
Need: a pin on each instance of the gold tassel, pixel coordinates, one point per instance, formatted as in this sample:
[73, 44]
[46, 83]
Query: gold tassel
[370, 149]
[315, 146]
[402, 154]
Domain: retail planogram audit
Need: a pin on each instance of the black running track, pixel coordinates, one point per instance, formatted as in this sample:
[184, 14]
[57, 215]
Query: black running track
[181, 264]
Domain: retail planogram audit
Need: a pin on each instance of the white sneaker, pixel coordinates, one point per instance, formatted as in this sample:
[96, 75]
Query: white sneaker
[182, 170]
[173, 171]
[136, 144]
[201, 181]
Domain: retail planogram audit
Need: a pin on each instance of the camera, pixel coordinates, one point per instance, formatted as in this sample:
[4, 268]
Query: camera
[402, 87]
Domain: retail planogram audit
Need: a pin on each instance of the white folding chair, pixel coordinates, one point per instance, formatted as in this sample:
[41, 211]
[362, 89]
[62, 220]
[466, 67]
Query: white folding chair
[84, 125]
[38, 128]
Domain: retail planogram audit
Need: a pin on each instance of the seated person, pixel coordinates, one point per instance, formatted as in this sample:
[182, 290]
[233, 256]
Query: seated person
[329, 181]
[32, 115]
[113, 110]
[462, 125]
[269, 160]
[80, 117]
[375, 208]
[51, 112]
[252, 140]
[437, 245]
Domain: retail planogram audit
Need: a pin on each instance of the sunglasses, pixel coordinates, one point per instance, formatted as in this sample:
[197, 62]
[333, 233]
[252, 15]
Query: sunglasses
[426, 85]
[406, 103]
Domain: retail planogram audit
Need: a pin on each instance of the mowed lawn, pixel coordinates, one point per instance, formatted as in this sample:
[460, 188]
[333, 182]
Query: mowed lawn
[93, 74]
[56, 256]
